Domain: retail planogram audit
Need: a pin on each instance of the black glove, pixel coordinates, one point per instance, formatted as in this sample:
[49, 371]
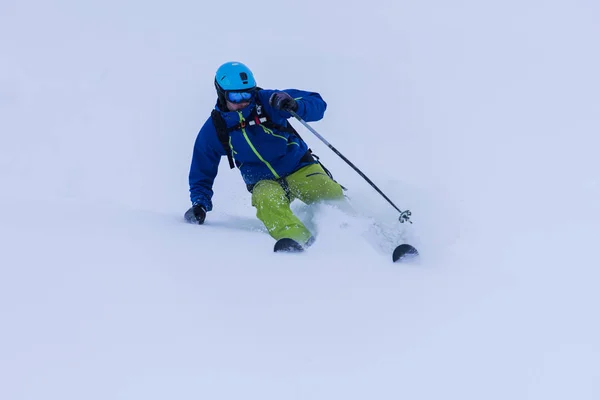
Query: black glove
[283, 101]
[195, 215]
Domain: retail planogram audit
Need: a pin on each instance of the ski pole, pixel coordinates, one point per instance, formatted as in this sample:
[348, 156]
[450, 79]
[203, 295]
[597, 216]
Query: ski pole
[404, 215]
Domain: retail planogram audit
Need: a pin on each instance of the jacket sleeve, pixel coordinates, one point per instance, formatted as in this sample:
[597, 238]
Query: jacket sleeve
[205, 163]
[311, 106]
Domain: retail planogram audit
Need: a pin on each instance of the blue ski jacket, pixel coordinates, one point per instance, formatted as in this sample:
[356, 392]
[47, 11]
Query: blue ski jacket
[259, 152]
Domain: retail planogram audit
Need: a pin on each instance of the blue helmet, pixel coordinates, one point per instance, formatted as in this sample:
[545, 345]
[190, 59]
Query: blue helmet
[234, 76]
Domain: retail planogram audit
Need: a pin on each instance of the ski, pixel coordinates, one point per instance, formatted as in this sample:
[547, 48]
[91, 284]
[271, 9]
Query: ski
[404, 252]
[287, 246]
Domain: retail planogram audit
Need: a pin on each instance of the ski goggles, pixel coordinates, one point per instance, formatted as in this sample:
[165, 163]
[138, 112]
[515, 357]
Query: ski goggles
[239, 97]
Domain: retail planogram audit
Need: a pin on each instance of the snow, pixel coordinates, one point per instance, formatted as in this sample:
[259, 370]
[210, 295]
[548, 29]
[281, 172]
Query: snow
[480, 117]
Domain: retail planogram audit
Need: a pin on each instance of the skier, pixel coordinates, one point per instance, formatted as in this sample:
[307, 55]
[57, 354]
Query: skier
[249, 126]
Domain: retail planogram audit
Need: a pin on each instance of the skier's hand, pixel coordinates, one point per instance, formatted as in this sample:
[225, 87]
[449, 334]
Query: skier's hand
[283, 101]
[196, 214]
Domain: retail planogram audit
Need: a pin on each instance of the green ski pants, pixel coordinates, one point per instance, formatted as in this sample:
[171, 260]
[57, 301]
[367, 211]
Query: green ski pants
[309, 184]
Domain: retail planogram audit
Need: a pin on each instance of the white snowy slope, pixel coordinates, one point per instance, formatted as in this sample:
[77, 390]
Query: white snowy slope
[483, 118]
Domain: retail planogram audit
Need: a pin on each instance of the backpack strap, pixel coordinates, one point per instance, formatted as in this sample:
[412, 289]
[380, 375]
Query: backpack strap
[222, 134]
[266, 121]
[257, 117]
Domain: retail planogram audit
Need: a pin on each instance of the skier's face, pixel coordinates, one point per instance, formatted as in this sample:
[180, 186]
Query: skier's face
[236, 106]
